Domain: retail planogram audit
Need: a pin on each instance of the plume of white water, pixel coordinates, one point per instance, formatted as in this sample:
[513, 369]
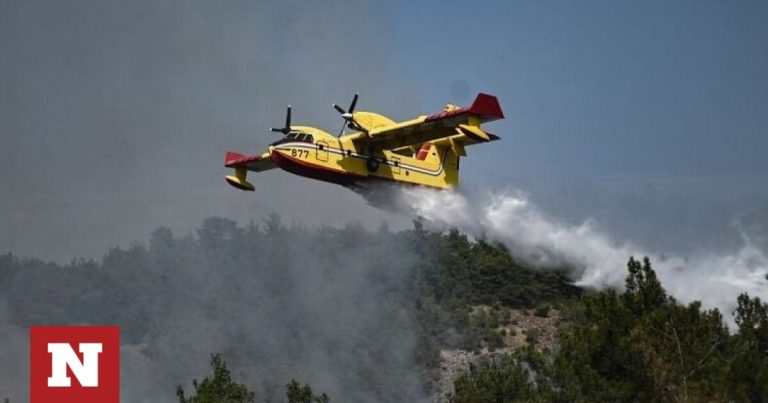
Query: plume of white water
[598, 260]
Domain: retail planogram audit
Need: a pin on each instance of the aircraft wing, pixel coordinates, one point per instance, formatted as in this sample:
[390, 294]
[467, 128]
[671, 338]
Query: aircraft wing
[462, 122]
[256, 163]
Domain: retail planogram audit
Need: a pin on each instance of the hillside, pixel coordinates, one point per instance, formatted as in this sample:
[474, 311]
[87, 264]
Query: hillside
[383, 316]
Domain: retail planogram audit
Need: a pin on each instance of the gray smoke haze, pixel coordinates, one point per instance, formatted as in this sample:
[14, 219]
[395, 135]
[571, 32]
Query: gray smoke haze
[14, 373]
[597, 258]
[114, 119]
[115, 116]
[328, 307]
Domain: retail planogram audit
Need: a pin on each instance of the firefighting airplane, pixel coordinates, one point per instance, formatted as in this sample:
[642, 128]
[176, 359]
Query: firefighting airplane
[424, 151]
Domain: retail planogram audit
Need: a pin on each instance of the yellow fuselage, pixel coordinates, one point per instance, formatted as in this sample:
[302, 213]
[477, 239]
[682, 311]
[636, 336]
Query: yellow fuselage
[340, 160]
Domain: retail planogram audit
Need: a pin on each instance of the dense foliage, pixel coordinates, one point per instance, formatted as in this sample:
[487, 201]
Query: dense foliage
[639, 345]
[454, 274]
[495, 381]
[218, 388]
[296, 393]
[375, 308]
[370, 309]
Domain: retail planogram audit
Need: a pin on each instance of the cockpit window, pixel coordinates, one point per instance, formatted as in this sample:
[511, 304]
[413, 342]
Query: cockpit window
[304, 137]
[296, 136]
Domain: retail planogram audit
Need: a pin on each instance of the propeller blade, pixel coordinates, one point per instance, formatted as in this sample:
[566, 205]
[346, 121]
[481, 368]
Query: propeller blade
[354, 102]
[288, 118]
[349, 119]
[287, 128]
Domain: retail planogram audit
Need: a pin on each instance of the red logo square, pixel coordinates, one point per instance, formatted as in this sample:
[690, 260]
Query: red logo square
[74, 364]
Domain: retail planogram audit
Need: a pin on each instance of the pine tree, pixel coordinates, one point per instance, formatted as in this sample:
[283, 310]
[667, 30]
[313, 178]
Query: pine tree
[218, 388]
[302, 394]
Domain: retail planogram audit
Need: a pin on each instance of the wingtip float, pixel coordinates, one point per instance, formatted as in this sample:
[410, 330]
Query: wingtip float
[424, 151]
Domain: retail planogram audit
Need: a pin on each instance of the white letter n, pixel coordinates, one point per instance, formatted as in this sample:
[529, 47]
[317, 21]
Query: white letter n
[63, 356]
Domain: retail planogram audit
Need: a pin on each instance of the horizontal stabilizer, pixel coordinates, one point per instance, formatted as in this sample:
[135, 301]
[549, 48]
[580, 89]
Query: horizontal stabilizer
[465, 136]
[474, 132]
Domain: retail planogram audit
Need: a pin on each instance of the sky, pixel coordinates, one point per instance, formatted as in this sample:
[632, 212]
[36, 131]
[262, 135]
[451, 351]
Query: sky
[646, 118]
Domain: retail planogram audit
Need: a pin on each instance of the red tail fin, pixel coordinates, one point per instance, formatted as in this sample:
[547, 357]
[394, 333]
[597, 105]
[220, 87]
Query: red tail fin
[487, 106]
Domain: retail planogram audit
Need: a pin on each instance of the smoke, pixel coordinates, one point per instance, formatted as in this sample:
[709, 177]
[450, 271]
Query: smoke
[130, 107]
[13, 356]
[597, 260]
[325, 306]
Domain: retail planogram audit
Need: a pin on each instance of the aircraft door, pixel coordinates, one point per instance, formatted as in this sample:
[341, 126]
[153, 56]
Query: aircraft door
[322, 150]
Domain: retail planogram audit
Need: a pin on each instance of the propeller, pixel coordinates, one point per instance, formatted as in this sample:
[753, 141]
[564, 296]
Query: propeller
[287, 128]
[349, 119]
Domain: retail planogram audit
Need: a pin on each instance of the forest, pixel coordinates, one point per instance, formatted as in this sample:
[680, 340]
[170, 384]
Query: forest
[275, 312]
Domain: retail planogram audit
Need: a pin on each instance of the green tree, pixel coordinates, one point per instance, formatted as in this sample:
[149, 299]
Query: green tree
[596, 361]
[684, 352]
[296, 393]
[219, 388]
[502, 380]
[748, 371]
[644, 292]
[642, 345]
